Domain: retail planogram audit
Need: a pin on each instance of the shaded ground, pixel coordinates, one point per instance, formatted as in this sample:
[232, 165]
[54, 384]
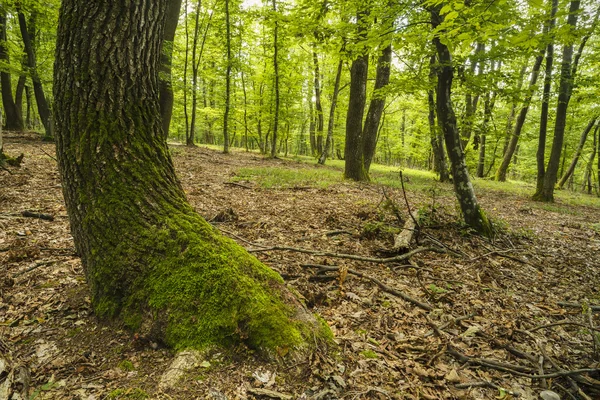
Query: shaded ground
[388, 348]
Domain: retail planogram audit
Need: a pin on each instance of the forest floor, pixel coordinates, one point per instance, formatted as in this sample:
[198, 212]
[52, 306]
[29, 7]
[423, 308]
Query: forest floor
[483, 338]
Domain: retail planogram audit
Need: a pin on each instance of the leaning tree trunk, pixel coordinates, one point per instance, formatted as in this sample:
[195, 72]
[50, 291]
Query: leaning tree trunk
[331, 122]
[371, 128]
[564, 95]
[151, 262]
[14, 122]
[473, 215]
[166, 59]
[38, 89]
[578, 152]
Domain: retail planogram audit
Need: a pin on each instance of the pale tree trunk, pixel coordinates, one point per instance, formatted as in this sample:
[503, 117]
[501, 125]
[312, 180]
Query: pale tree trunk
[372, 120]
[564, 94]
[166, 58]
[331, 122]
[151, 262]
[578, 152]
[318, 106]
[473, 215]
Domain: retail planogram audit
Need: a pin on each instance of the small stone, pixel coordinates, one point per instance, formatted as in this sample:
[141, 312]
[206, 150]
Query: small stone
[549, 395]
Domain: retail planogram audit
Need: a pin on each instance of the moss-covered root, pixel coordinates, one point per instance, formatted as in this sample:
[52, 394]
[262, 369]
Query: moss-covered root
[203, 290]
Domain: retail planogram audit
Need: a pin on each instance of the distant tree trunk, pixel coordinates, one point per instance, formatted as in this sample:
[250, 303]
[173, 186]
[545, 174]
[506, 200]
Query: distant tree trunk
[190, 139]
[541, 150]
[152, 263]
[38, 89]
[564, 94]
[13, 121]
[331, 122]
[436, 135]
[227, 81]
[166, 58]
[470, 100]
[488, 106]
[19, 94]
[245, 109]
[587, 179]
[578, 152]
[318, 105]
[185, 69]
[276, 73]
[473, 215]
[375, 110]
[354, 167]
[514, 139]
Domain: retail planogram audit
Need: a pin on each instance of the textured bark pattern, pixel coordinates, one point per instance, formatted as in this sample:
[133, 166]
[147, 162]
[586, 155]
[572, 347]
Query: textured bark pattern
[353, 151]
[371, 127]
[472, 213]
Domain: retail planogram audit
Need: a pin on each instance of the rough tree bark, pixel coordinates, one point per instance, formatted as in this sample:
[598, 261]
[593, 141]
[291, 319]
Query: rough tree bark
[473, 215]
[353, 152]
[13, 120]
[151, 262]
[38, 89]
[578, 152]
[330, 123]
[564, 94]
[166, 58]
[371, 128]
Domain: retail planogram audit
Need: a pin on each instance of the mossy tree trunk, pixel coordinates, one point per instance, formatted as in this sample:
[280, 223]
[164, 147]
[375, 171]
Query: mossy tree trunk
[473, 215]
[151, 262]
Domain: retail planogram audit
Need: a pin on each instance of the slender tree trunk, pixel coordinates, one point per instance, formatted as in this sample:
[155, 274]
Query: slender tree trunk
[436, 135]
[13, 121]
[166, 58]
[564, 94]
[473, 215]
[190, 139]
[227, 81]
[514, 139]
[152, 263]
[587, 180]
[276, 72]
[19, 94]
[354, 167]
[38, 89]
[318, 106]
[185, 78]
[470, 100]
[331, 122]
[312, 124]
[245, 109]
[375, 110]
[578, 152]
[541, 150]
[488, 106]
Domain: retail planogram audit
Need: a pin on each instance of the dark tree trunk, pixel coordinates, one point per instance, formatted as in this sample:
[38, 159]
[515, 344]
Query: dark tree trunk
[564, 94]
[227, 81]
[473, 215]
[541, 150]
[318, 105]
[436, 136]
[38, 89]
[373, 118]
[331, 122]
[151, 261]
[354, 167]
[14, 122]
[19, 95]
[514, 139]
[488, 106]
[276, 72]
[166, 58]
[578, 152]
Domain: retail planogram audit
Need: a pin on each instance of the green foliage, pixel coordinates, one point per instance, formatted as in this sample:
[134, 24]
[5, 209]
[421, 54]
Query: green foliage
[126, 366]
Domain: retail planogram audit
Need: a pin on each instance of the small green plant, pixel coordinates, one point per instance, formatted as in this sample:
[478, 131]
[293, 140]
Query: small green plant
[436, 289]
[126, 366]
[369, 354]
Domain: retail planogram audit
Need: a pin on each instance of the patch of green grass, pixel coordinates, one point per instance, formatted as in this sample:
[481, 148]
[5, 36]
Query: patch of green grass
[126, 366]
[369, 354]
[282, 177]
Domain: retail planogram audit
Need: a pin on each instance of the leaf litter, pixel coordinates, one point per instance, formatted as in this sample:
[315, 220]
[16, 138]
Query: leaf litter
[495, 320]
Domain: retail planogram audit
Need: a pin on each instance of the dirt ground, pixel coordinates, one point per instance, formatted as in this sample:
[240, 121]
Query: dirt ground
[484, 336]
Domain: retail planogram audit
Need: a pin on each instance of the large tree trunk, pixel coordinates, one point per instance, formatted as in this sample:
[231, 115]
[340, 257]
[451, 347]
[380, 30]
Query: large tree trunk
[14, 122]
[578, 152]
[371, 128]
[38, 89]
[514, 139]
[473, 215]
[331, 122]
[564, 95]
[151, 262]
[354, 167]
[166, 58]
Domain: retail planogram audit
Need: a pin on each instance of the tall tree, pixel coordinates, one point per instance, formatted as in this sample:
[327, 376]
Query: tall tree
[151, 261]
[318, 106]
[436, 135]
[14, 121]
[166, 60]
[331, 122]
[472, 213]
[578, 152]
[276, 73]
[227, 80]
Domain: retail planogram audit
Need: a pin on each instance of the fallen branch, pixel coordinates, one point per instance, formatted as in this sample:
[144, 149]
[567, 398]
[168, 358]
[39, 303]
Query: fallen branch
[30, 214]
[33, 267]
[269, 393]
[487, 384]
[577, 305]
[239, 184]
[537, 328]
[401, 257]
[382, 285]
[328, 234]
